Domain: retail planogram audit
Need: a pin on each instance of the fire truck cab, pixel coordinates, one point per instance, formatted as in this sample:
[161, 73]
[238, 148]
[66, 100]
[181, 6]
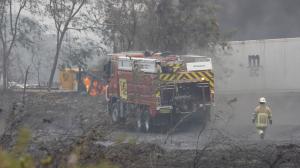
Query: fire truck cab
[158, 89]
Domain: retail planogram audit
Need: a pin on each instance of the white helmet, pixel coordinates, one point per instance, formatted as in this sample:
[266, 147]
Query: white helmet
[262, 100]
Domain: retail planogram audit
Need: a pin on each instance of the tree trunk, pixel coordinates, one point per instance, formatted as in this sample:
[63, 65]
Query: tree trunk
[58, 47]
[61, 33]
[115, 49]
[53, 69]
[4, 72]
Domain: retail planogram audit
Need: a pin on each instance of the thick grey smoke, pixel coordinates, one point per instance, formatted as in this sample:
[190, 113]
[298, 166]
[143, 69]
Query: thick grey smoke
[260, 19]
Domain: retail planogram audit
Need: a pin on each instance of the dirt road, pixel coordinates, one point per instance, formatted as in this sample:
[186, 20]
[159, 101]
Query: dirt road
[63, 112]
[286, 114]
[233, 113]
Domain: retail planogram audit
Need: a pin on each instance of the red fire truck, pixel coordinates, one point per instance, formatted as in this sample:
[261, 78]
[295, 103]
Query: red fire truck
[159, 88]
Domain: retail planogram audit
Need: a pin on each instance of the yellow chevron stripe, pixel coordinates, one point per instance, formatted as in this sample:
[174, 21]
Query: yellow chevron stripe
[174, 65]
[189, 76]
[173, 76]
[203, 76]
[209, 74]
[196, 76]
[183, 77]
[210, 78]
[207, 79]
[175, 69]
[166, 77]
[179, 76]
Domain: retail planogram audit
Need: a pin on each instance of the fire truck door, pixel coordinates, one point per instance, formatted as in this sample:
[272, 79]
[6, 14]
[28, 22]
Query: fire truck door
[123, 88]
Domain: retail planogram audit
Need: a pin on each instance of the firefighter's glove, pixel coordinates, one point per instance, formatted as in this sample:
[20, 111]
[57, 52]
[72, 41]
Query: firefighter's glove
[271, 121]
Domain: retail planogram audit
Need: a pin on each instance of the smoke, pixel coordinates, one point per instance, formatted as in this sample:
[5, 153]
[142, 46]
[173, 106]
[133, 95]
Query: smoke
[259, 19]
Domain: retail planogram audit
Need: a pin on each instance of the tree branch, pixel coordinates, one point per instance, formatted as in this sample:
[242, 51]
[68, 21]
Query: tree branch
[15, 26]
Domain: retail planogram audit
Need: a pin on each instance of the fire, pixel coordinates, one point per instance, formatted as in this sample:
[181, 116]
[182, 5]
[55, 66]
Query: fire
[94, 87]
[87, 83]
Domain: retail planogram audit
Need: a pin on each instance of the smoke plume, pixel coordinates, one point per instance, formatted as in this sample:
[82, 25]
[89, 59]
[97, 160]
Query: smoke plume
[260, 19]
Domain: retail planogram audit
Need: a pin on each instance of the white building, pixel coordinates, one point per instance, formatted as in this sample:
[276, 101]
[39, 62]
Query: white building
[268, 65]
[1, 79]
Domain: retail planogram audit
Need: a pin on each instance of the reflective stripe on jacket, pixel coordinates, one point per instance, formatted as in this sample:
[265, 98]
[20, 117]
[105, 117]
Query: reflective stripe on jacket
[263, 114]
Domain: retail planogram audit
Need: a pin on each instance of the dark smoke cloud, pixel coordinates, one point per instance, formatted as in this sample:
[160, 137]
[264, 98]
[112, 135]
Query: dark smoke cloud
[260, 19]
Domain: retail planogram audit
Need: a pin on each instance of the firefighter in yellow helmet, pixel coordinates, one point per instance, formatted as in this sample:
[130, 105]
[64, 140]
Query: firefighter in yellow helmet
[262, 116]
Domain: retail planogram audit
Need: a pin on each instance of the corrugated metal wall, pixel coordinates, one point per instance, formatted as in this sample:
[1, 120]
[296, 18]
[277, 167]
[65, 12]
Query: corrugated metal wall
[278, 70]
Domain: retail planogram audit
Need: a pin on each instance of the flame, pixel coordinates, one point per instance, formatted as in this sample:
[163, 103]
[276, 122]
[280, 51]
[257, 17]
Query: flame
[87, 83]
[94, 90]
[94, 87]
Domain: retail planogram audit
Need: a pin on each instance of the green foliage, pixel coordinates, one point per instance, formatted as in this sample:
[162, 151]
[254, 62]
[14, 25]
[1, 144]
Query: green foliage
[46, 161]
[177, 26]
[30, 33]
[187, 24]
[22, 141]
[18, 158]
[77, 52]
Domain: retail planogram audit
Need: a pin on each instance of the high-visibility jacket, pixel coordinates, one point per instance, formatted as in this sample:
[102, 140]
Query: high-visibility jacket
[263, 115]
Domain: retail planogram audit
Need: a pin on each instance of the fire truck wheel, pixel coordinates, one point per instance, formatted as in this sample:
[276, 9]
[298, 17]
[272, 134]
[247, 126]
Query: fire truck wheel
[115, 113]
[202, 117]
[139, 121]
[147, 121]
[143, 121]
[205, 117]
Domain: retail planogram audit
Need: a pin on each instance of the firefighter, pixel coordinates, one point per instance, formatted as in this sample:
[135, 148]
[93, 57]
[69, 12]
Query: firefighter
[262, 116]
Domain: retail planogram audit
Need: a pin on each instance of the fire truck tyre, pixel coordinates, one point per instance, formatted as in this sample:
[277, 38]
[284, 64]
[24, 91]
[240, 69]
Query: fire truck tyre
[205, 117]
[115, 113]
[147, 121]
[202, 117]
[139, 121]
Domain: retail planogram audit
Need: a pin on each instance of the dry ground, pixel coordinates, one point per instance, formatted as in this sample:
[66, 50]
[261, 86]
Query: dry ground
[61, 122]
